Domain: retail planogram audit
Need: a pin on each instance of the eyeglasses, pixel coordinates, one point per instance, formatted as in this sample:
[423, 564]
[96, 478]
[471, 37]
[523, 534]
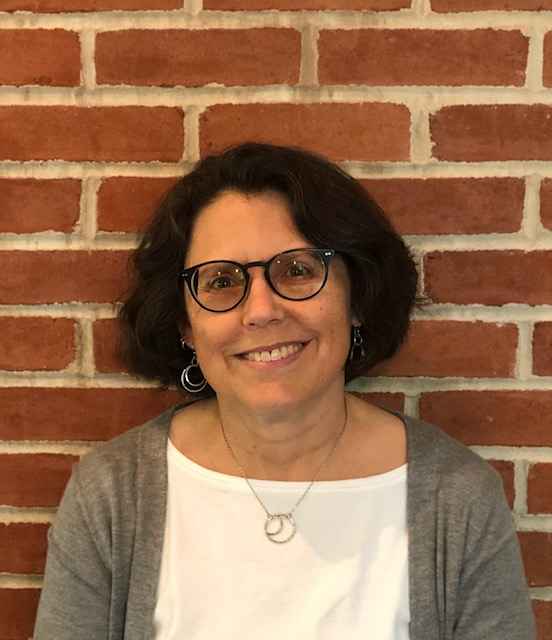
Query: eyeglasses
[297, 274]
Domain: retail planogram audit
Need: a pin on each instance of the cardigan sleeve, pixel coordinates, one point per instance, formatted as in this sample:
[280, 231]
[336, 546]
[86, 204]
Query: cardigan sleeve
[493, 598]
[75, 598]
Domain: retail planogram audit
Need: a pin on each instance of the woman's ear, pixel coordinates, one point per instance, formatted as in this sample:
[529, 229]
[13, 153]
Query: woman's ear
[186, 337]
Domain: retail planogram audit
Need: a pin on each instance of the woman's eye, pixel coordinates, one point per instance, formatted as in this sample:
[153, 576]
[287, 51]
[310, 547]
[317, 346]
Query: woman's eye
[221, 282]
[298, 270]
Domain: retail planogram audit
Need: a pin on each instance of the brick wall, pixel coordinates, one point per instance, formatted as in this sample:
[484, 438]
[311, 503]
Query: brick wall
[442, 107]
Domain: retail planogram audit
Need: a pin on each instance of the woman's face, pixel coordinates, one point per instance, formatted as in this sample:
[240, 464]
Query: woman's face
[245, 228]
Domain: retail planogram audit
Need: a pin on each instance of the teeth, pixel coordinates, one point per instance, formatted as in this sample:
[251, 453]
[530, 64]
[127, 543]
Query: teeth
[275, 354]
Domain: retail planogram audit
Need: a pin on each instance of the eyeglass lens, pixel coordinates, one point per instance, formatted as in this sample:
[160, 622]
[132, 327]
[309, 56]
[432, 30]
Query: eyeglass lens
[296, 275]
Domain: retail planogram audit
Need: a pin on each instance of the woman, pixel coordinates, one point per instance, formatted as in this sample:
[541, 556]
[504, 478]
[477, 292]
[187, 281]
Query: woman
[278, 505]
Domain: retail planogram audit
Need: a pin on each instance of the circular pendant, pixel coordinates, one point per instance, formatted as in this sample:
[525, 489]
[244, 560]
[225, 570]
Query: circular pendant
[280, 527]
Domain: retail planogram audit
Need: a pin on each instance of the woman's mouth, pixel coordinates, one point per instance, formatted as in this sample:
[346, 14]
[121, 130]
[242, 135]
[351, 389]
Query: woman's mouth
[279, 353]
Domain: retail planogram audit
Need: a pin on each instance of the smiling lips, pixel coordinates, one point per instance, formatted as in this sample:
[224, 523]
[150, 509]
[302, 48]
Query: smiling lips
[279, 353]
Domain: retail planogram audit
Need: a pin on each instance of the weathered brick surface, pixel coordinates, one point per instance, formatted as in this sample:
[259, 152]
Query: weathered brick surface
[489, 277]
[56, 6]
[450, 205]
[536, 549]
[546, 203]
[39, 57]
[107, 344]
[127, 204]
[62, 276]
[391, 401]
[194, 58]
[433, 348]
[28, 205]
[34, 480]
[477, 133]
[23, 547]
[297, 5]
[81, 414]
[542, 349]
[93, 133]
[422, 57]
[539, 488]
[510, 418]
[36, 343]
[547, 70]
[18, 607]
[490, 5]
[367, 131]
[543, 614]
[506, 470]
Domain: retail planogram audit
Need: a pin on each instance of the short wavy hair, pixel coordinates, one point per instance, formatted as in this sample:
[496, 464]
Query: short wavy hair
[330, 209]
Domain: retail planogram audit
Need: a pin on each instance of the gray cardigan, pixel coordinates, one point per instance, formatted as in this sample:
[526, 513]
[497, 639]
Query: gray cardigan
[466, 575]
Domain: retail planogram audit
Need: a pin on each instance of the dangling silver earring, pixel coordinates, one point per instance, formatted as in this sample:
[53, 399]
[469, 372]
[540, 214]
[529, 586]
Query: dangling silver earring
[186, 381]
[357, 351]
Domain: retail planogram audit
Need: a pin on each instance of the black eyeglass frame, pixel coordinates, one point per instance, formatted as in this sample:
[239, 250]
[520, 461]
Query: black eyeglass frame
[326, 254]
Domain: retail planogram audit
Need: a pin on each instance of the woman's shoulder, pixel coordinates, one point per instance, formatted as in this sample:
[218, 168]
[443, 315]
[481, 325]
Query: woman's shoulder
[454, 467]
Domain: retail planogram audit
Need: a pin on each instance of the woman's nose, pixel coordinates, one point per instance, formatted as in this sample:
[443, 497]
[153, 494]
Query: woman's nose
[261, 305]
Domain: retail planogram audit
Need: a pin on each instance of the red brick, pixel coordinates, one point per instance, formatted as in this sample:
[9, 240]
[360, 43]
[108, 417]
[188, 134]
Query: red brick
[510, 418]
[81, 414]
[434, 348]
[127, 204]
[489, 277]
[476, 133]
[547, 71]
[195, 58]
[91, 133]
[539, 488]
[536, 549]
[444, 6]
[368, 131]
[297, 5]
[450, 205]
[36, 343]
[107, 345]
[23, 547]
[542, 349]
[389, 401]
[55, 6]
[543, 614]
[62, 276]
[39, 57]
[28, 206]
[506, 470]
[546, 203]
[36, 480]
[18, 607]
[422, 57]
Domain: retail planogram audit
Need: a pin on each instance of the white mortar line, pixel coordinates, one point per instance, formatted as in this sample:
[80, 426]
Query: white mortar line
[541, 593]
[194, 7]
[55, 380]
[191, 151]
[520, 486]
[433, 97]
[524, 351]
[86, 351]
[184, 19]
[308, 73]
[51, 169]
[63, 242]
[421, 8]
[33, 515]
[417, 385]
[533, 523]
[483, 242]
[411, 405]
[505, 313]
[91, 311]
[88, 52]
[420, 136]
[20, 581]
[514, 454]
[534, 77]
[88, 206]
[67, 448]
[531, 225]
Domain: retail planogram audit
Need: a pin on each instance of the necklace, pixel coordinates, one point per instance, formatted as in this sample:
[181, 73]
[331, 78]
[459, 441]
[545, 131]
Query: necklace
[281, 527]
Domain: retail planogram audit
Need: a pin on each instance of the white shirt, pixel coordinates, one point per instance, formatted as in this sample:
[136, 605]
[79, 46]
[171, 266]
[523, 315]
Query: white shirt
[343, 575]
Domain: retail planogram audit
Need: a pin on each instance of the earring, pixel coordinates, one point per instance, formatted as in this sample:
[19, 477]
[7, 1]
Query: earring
[186, 380]
[357, 351]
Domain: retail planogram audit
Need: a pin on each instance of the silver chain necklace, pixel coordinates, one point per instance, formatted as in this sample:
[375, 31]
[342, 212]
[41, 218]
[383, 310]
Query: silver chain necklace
[281, 527]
